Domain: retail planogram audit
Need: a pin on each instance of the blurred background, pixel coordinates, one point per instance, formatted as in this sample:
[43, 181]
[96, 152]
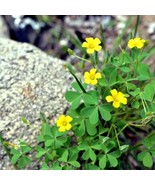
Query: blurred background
[55, 34]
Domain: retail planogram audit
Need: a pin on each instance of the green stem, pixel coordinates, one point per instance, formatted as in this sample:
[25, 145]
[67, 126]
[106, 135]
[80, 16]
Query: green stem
[136, 27]
[139, 142]
[6, 149]
[81, 58]
[78, 82]
[117, 137]
[109, 130]
[121, 130]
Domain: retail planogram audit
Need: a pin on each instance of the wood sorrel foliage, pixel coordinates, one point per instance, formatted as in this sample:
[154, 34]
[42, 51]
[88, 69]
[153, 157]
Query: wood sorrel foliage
[110, 121]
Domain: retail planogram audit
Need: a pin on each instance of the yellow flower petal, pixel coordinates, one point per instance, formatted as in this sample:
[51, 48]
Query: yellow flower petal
[93, 82]
[137, 39]
[92, 71]
[114, 93]
[123, 100]
[131, 43]
[69, 119]
[62, 129]
[68, 126]
[87, 80]
[98, 75]
[97, 41]
[143, 41]
[60, 120]
[140, 45]
[109, 98]
[98, 48]
[86, 74]
[84, 44]
[90, 39]
[116, 104]
[90, 51]
[120, 95]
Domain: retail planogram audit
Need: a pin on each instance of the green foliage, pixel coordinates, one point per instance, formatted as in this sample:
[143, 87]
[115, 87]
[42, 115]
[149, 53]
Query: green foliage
[19, 156]
[103, 135]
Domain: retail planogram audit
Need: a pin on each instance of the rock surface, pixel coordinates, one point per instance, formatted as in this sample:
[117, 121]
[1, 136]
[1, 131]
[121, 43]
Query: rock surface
[4, 32]
[30, 82]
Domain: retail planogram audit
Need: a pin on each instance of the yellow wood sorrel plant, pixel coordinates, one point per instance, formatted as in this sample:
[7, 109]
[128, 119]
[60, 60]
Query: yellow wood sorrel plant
[110, 123]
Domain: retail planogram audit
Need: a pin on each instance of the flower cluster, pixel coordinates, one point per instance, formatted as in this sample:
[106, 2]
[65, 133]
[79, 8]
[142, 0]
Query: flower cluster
[136, 43]
[91, 77]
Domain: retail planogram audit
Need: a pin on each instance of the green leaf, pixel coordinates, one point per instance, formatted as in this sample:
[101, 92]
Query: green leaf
[76, 86]
[116, 153]
[87, 111]
[125, 69]
[24, 148]
[58, 143]
[64, 156]
[44, 166]
[91, 129]
[15, 152]
[89, 100]
[103, 82]
[152, 139]
[80, 131]
[56, 166]
[92, 155]
[76, 103]
[105, 114]
[15, 158]
[46, 129]
[146, 158]
[96, 146]
[94, 116]
[130, 86]
[135, 92]
[105, 139]
[83, 145]
[103, 162]
[147, 143]
[40, 138]
[49, 142]
[143, 77]
[72, 95]
[40, 154]
[113, 161]
[135, 104]
[112, 79]
[143, 70]
[124, 148]
[91, 167]
[95, 95]
[23, 161]
[85, 155]
[102, 130]
[75, 163]
[73, 153]
[149, 91]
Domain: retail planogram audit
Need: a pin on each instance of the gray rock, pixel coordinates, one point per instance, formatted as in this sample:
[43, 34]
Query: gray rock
[30, 82]
[4, 32]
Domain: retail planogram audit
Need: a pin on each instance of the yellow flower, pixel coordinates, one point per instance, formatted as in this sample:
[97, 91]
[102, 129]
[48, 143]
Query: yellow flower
[136, 42]
[117, 98]
[92, 45]
[91, 77]
[63, 123]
